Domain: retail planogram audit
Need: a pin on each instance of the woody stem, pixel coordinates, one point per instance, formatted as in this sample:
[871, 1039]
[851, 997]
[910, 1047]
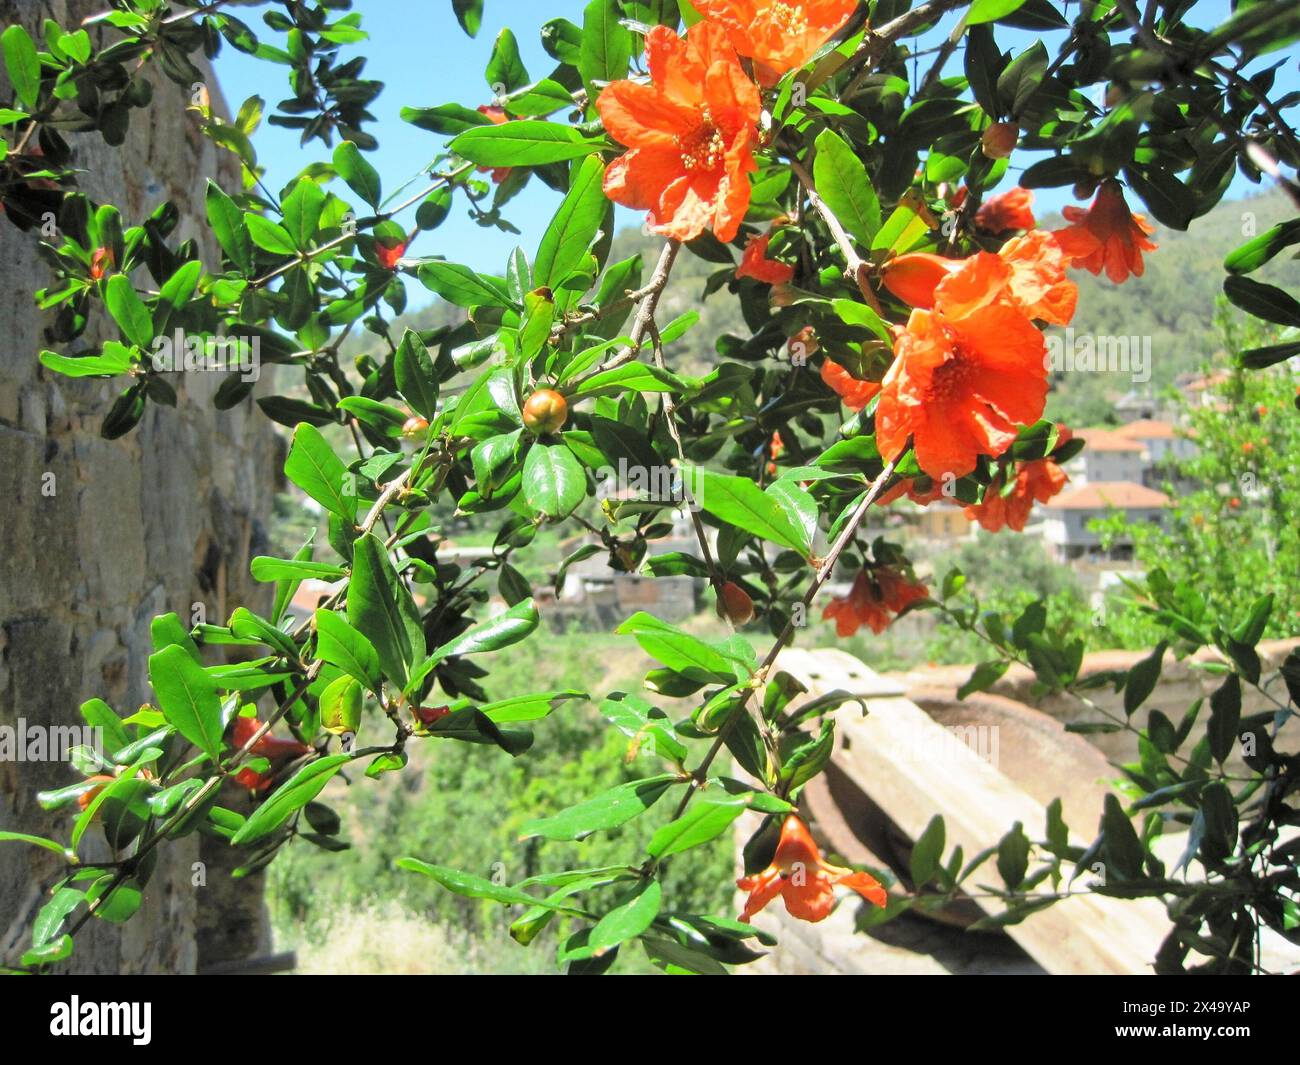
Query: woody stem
[856, 268]
[644, 316]
[823, 574]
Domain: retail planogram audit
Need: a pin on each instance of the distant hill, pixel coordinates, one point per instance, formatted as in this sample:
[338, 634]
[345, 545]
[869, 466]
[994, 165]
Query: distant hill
[1173, 304]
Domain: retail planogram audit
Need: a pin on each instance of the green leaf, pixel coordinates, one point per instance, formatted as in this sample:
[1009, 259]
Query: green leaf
[469, 13]
[114, 360]
[339, 644]
[927, 852]
[740, 502]
[1255, 253]
[302, 210]
[528, 142]
[229, 227]
[1142, 679]
[49, 922]
[23, 65]
[1172, 202]
[1251, 359]
[842, 181]
[982, 677]
[447, 119]
[630, 377]
[554, 482]
[574, 227]
[268, 569]
[35, 841]
[355, 169]
[990, 10]
[188, 698]
[1121, 850]
[475, 887]
[117, 902]
[607, 810]
[529, 707]
[505, 71]
[628, 919]
[416, 379]
[381, 609]
[312, 465]
[128, 311]
[269, 236]
[1251, 629]
[606, 47]
[799, 508]
[1225, 717]
[289, 798]
[176, 292]
[678, 650]
[704, 821]
[1263, 301]
[1013, 856]
[462, 286]
[515, 624]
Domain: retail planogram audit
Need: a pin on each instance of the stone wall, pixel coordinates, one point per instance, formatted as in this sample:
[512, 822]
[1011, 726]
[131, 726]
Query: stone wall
[160, 520]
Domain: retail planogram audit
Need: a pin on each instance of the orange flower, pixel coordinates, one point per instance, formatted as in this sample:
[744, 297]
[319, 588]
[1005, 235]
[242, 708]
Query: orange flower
[972, 367]
[1007, 210]
[873, 599]
[856, 394]
[100, 263]
[755, 263]
[907, 487]
[268, 746]
[389, 253]
[1039, 479]
[1107, 235]
[799, 876]
[1037, 282]
[253, 780]
[691, 133]
[498, 116]
[778, 35]
[775, 449]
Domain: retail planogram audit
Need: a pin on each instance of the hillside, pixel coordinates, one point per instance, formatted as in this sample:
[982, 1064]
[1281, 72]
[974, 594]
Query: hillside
[1173, 304]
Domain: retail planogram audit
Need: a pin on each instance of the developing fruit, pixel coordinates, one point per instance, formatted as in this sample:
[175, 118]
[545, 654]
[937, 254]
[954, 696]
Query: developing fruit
[1000, 139]
[734, 604]
[546, 411]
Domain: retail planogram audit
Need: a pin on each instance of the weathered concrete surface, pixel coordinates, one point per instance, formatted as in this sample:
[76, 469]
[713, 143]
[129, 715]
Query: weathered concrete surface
[163, 519]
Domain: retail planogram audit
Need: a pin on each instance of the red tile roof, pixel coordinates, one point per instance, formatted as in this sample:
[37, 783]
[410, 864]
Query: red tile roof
[1147, 429]
[1103, 495]
[1100, 439]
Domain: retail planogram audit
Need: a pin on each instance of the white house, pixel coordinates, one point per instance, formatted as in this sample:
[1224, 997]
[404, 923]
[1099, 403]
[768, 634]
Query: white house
[1109, 455]
[1068, 515]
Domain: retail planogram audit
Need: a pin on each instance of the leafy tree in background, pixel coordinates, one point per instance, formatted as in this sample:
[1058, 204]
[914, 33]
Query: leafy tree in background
[1231, 522]
[838, 177]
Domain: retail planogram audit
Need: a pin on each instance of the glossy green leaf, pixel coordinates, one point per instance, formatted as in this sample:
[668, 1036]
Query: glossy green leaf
[187, 697]
[381, 609]
[554, 481]
[289, 798]
[842, 181]
[312, 465]
[607, 810]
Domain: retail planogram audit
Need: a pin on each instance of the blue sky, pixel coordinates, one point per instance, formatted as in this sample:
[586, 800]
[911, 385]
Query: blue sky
[420, 53]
